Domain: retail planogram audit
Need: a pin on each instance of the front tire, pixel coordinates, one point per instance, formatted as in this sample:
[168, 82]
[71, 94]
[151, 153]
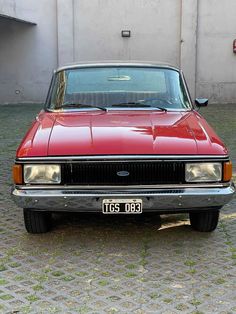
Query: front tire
[204, 221]
[37, 221]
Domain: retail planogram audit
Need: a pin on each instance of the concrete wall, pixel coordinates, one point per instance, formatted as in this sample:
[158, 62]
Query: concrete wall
[188, 42]
[28, 54]
[216, 62]
[194, 34]
[21, 10]
[154, 26]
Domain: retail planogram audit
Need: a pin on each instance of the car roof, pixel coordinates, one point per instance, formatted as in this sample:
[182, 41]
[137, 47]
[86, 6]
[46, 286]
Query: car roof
[117, 64]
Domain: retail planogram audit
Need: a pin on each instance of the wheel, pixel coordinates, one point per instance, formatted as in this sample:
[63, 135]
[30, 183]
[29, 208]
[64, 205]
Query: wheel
[204, 221]
[37, 221]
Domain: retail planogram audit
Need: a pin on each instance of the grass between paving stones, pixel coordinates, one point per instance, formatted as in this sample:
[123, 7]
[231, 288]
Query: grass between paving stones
[223, 120]
[230, 244]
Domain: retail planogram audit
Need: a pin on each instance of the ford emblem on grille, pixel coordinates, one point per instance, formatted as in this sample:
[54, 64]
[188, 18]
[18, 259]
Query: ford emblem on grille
[123, 173]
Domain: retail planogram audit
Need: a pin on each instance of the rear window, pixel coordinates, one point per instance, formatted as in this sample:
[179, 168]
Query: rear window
[115, 79]
[111, 86]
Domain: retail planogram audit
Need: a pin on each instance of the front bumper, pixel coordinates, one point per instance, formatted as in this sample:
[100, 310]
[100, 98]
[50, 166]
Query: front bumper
[161, 199]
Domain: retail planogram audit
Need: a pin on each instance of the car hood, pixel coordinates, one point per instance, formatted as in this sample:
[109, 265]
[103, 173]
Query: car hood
[121, 133]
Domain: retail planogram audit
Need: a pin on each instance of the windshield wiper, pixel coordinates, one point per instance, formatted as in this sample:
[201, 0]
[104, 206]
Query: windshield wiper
[79, 105]
[137, 104]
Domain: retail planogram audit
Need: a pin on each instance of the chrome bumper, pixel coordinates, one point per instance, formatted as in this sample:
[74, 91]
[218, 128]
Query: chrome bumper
[171, 200]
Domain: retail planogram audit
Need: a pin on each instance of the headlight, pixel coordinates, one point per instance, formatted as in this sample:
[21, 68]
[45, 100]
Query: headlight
[203, 172]
[42, 174]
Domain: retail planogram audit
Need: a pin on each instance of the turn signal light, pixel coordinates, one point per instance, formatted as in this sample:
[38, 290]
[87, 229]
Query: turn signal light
[17, 174]
[228, 171]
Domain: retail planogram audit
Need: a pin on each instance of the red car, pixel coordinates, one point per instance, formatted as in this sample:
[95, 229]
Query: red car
[121, 138]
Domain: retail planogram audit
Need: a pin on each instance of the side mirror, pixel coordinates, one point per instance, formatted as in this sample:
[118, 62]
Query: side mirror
[201, 102]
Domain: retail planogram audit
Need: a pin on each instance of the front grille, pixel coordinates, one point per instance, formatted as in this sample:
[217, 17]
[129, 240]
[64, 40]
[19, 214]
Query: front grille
[140, 173]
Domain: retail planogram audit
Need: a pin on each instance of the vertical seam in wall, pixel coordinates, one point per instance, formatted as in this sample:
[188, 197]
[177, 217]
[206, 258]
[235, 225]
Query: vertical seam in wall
[57, 37]
[180, 33]
[14, 7]
[196, 47]
[73, 30]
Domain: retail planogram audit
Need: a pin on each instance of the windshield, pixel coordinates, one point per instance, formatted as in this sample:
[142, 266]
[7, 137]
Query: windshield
[123, 87]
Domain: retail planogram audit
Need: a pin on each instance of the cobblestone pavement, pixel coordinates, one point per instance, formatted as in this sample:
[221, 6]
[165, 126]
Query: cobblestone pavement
[97, 264]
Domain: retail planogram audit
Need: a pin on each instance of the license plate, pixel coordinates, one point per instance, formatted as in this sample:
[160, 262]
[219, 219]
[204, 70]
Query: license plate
[122, 206]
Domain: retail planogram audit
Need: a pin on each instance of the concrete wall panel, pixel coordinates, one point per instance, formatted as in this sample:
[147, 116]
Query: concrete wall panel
[65, 31]
[28, 54]
[188, 57]
[18, 9]
[154, 25]
[216, 63]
